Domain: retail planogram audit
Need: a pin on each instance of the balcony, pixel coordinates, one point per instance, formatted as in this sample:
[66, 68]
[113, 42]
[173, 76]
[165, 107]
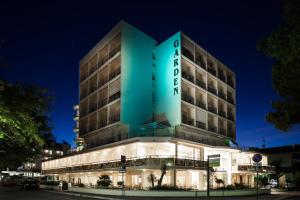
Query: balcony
[114, 51]
[212, 70]
[201, 104]
[114, 96]
[102, 61]
[187, 76]
[187, 98]
[114, 73]
[102, 82]
[230, 82]
[200, 83]
[200, 63]
[230, 99]
[230, 116]
[222, 77]
[93, 69]
[102, 102]
[200, 125]
[93, 88]
[187, 53]
[92, 108]
[145, 161]
[222, 113]
[83, 77]
[212, 128]
[212, 108]
[102, 123]
[222, 95]
[212, 89]
[114, 118]
[187, 120]
[222, 131]
[92, 127]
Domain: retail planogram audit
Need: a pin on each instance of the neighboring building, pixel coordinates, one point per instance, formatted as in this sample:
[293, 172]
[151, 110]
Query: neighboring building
[50, 150]
[286, 159]
[78, 140]
[156, 103]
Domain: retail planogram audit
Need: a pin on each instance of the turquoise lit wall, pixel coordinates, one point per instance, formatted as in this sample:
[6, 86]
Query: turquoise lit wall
[168, 78]
[136, 78]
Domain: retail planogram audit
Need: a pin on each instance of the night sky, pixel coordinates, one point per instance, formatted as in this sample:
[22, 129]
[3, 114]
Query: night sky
[43, 42]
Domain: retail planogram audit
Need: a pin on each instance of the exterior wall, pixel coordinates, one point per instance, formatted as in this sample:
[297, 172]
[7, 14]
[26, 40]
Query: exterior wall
[136, 78]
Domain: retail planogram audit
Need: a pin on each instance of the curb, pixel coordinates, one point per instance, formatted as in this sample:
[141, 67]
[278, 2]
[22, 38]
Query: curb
[83, 195]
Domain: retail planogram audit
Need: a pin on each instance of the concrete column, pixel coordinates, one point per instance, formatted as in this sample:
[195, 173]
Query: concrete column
[201, 180]
[173, 177]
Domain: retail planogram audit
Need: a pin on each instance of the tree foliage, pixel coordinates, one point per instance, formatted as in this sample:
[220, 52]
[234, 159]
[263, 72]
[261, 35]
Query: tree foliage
[104, 181]
[283, 45]
[24, 122]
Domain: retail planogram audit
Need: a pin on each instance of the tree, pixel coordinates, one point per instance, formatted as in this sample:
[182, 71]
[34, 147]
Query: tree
[219, 181]
[24, 122]
[104, 181]
[163, 172]
[283, 45]
[152, 178]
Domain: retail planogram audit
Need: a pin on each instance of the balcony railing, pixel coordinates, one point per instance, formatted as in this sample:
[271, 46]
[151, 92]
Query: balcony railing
[187, 98]
[187, 53]
[114, 51]
[102, 82]
[114, 118]
[200, 125]
[222, 77]
[102, 61]
[187, 76]
[200, 83]
[200, 104]
[102, 102]
[114, 96]
[222, 95]
[261, 169]
[212, 128]
[212, 108]
[222, 113]
[200, 63]
[92, 69]
[212, 70]
[102, 123]
[83, 76]
[114, 73]
[222, 131]
[147, 161]
[93, 127]
[187, 120]
[212, 89]
[83, 94]
[93, 88]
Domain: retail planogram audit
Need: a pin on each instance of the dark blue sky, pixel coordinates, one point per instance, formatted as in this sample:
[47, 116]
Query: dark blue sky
[43, 42]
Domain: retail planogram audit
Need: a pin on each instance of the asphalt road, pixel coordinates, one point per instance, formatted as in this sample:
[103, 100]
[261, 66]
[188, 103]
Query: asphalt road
[16, 194]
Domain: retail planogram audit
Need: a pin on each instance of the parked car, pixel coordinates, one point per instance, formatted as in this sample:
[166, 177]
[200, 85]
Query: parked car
[30, 184]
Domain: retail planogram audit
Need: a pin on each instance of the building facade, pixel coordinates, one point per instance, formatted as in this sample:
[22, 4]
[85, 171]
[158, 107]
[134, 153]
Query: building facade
[158, 103]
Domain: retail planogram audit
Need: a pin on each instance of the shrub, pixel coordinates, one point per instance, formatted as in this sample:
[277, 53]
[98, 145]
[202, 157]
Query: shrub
[229, 187]
[240, 186]
[104, 181]
[166, 187]
[80, 185]
[54, 183]
[120, 183]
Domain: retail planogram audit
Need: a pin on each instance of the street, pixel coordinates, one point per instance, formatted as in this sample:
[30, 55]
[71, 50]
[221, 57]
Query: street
[16, 194]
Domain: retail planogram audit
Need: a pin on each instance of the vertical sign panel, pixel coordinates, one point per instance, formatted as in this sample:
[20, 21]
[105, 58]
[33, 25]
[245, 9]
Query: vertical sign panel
[168, 81]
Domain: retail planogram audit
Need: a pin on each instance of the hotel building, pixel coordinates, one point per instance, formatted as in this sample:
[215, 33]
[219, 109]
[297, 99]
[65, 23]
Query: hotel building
[158, 103]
